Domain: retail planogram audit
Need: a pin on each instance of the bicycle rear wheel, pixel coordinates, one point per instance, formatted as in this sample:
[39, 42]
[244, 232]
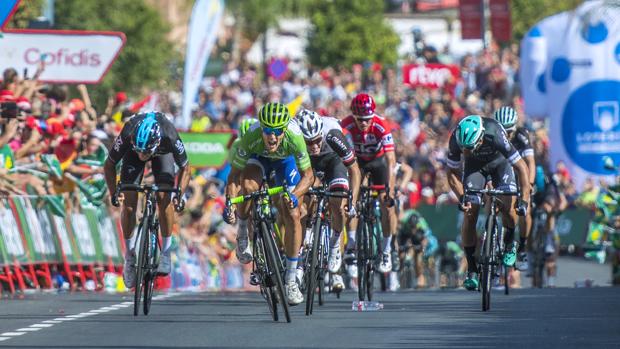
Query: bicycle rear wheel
[312, 268]
[274, 265]
[373, 247]
[142, 260]
[362, 260]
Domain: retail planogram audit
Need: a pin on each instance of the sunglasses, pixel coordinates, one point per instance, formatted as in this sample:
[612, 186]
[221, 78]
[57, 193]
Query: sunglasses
[311, 142]
[273, 131]
[364, 120]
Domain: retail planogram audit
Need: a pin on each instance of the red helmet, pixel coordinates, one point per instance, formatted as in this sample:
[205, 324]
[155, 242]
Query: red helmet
[363, 105]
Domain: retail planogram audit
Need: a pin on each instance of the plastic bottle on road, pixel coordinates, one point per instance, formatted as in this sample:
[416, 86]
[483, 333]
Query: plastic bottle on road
[584, 283]
[366, 306]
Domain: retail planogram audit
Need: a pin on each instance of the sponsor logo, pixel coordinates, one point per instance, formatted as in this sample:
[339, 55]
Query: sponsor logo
[118, 143]
[62, 57]
[203, 147]
[179, 146]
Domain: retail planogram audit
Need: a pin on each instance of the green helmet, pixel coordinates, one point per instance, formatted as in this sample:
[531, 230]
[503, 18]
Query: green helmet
[274, 115]
[507, 117]
[245, 126]
[469, 131]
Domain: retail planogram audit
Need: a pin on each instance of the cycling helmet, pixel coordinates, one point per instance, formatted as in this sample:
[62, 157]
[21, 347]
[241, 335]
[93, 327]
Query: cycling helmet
[245, 126]
[274, 115]
[147, 134]
[469, 131]
[363, 105]
[310, 123]
[506, 116]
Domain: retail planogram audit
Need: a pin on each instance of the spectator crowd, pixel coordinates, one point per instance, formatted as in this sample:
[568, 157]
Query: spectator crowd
[54, 121]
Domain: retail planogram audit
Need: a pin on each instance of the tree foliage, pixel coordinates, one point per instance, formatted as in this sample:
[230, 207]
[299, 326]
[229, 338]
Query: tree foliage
[144, 61]
[26, 10]
[346, 32]
[526, 13]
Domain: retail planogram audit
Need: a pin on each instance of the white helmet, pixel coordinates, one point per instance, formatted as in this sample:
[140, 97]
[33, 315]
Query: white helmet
[310, 123]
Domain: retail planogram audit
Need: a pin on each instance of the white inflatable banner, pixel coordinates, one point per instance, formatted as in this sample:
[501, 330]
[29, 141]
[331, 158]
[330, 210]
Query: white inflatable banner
[570, 72]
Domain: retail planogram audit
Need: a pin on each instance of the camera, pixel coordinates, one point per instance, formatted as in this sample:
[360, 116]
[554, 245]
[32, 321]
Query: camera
[8, 110]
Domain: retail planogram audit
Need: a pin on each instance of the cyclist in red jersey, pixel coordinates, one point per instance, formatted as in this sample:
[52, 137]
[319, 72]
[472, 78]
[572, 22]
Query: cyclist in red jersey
[374, 148]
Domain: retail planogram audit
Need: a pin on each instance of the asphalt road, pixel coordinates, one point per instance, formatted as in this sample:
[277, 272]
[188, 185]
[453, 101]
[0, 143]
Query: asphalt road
[545, 318]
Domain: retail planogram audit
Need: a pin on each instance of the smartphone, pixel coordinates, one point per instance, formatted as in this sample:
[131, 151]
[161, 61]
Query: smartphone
[8, 110]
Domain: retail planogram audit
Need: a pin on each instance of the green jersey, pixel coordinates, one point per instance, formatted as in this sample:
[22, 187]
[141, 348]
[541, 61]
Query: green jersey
[251, 143]
[420, 225]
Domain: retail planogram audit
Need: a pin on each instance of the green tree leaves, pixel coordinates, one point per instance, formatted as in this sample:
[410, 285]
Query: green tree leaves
[526, 13]
[346, 32]
[144, 60]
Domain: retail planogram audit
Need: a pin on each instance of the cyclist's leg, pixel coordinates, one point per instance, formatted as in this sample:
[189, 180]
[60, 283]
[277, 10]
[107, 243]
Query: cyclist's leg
[251, 178]
[551, 250]
[163, 171]
[336, 177]
[504, 179]
[473, 179]
[379, 175]
[132, 170]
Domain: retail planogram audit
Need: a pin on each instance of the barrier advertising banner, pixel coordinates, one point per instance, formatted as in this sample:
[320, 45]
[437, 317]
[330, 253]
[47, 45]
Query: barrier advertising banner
[11, 238]
[84, 239]
[571, 74]
[69, 56]
[432, 75]
[206, 149]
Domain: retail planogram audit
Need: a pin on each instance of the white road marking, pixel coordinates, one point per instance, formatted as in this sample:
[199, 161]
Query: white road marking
[49, 323]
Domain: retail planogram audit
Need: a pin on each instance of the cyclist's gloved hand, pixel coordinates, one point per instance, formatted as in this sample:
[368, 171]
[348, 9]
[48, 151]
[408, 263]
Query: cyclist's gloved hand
[521, 207]
[352, 212]
[229, 213]
[179, 201]
[292, 200]
[464, 206]
[389, 201]
[116, 199]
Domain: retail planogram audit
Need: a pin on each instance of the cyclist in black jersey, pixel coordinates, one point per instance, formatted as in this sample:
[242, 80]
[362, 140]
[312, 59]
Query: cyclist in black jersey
[332, 155]
[147, 137]
[520, 139]
[483, 146]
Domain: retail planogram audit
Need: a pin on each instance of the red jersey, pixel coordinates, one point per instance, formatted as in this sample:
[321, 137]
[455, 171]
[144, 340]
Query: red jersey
[372, 143]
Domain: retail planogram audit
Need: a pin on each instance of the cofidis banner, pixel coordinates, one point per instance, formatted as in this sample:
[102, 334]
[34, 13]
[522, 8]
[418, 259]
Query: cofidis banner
[70, 56]
[570, 72]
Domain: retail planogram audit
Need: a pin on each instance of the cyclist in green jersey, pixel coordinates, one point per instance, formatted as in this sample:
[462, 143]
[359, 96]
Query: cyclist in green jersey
[274, 144]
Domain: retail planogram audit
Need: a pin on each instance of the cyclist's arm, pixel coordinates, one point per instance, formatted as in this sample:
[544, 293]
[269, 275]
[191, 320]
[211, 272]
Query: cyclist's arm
[355, 176]
[233, 183]
[109, 170]
[391, 162]
[407, 174]
[454, 166]
[521, 170]
[307, 177]
[183, 178]
[531, 166]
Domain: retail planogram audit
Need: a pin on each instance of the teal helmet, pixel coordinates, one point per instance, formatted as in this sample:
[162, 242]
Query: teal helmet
[274, 115]
[506, 116]
[245, 126]
[147, 134]
[469, 131]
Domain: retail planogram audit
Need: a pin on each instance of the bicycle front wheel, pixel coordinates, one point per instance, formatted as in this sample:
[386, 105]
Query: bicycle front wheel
[487, 261]
[149, 280]
[142, 261]
[274, 265]
[362, 255]
[373, 248]
[313, 266]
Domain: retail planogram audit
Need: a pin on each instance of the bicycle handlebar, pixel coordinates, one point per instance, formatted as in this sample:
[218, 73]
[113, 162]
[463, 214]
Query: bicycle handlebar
[269, 192]
[320, 191]
[492, 192]
[145, 188]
